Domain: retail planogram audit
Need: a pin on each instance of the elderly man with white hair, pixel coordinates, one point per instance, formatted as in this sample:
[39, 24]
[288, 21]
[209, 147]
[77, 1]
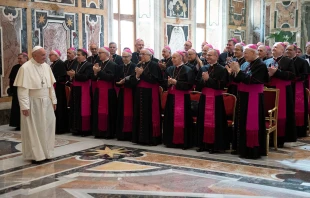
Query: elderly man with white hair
[59, 70]
[179, 79]
[262, 52]
[147, 79]
[124, 119]
[37, 101]
[250, 129]
[104, 99]
[139, 44]
[281, 70]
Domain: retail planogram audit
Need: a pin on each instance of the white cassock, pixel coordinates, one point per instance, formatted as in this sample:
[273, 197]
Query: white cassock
[36, 93]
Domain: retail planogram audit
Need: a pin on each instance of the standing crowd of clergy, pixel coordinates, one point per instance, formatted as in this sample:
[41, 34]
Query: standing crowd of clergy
[118, 95]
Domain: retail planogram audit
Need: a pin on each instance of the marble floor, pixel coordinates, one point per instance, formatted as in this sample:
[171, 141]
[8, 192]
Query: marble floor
[88, 167]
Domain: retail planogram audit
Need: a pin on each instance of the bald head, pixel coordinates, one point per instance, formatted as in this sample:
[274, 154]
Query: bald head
[94, 49]
[177, 59]
[187, 45]
[278, 50]
[39, 55]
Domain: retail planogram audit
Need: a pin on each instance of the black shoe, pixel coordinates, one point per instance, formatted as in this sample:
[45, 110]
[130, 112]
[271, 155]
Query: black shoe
[234, 153]
[17, 129]
[200, 150]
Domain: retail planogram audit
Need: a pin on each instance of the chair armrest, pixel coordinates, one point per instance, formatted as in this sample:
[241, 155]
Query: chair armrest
[271, 116]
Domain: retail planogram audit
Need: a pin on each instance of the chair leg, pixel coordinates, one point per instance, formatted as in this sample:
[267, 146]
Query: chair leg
[275, 139]
[267, 143]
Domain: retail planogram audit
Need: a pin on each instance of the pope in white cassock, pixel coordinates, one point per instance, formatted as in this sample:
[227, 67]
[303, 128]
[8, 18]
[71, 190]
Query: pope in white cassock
[37, 103]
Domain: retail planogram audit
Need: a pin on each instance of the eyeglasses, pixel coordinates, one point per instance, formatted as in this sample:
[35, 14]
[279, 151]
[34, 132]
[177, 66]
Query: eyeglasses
[100, 52]
[93, 49]
[143, 54]
[125, 56]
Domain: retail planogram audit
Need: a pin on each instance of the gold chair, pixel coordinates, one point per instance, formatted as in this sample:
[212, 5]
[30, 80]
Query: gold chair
[271, 103]
[195, 97]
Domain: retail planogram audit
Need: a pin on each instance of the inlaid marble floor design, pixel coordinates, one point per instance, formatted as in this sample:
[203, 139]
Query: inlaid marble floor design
[88, 167]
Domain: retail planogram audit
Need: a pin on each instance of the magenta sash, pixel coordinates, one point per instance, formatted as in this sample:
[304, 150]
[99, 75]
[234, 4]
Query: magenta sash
[85, 103]
[299, 103]
[128, 110]
[178, 134]
[252, 120]
[103, 104]
[209, 119]
[155, 105]
[281, 85]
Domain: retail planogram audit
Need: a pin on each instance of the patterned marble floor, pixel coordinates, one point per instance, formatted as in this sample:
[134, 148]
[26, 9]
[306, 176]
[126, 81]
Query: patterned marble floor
[88, 167]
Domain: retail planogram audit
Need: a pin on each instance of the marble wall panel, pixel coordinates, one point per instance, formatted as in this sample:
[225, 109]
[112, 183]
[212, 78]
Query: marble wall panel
[237, 12]
[92, 30]
[13, 41]
[213, 12]
[177, 9]
[177, 35]
[305, 25]
[54, 31]
[267, 22]
[63, 2]
[98, 4]
[285, 14]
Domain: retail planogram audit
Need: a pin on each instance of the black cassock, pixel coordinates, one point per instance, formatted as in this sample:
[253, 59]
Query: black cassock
[146, 122]
[178, 121]
[80, 101]
[59, 70]
[212, 120]
[104, 101]
[94, 59]
[117, 59]
[15, 109]
[71, 64]
[135, 58]
[223, 56]
[300, 95]
[251, 84]
[155, 59]
[282, 80]
[124, 121]
[168, 62]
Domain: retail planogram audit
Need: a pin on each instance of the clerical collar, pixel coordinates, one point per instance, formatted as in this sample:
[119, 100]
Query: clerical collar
[35, 62]
[127, 64]
[180, 65]
[240, 58]
[144, 63]
[230, 54]
[277, 59]
[95, 55]
[166, 59]
[213, 64]
[105, 60]
[82, 62]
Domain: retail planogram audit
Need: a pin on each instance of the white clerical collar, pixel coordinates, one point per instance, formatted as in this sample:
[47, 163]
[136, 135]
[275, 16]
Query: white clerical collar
[35, 62]
[180, 65]
[127, 64]
[212, 64]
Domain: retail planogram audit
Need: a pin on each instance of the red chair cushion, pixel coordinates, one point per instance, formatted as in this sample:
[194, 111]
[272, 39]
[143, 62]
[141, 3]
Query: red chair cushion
[229, 102]
[267, 122]
[229, 123]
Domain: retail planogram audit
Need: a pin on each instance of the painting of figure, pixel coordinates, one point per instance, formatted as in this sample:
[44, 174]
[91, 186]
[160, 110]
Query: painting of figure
[177, 9]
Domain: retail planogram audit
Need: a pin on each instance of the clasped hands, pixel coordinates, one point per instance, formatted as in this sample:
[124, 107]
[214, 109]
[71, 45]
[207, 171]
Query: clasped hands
[139, 71]
[272, 70]
[71, 73]
[171, 81]
[233, 68]
[96, 68]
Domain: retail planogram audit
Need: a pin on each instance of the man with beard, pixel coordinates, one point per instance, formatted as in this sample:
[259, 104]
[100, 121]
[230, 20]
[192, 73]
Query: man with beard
[281, 70]
[177, 130]
[250, 129]
[59, 70]
[146, 122]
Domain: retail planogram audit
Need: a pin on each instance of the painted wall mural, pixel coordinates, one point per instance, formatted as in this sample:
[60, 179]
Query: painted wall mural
[177, 35]
[237, 12]
[13, 36]
[92, 30]
[98, 4]
[53, 31]
[238, 34]
[177, 8]
[286, 14]
[64, 2]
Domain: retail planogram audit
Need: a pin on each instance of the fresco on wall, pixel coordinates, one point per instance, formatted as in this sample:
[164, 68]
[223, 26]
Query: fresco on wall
[177, 8]
[54, 32]
[285, 14]
[177, 35]
[65, 2]
[92, 30]
[92, 4]
[237, 12]
[238, 34]
[13, 36]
